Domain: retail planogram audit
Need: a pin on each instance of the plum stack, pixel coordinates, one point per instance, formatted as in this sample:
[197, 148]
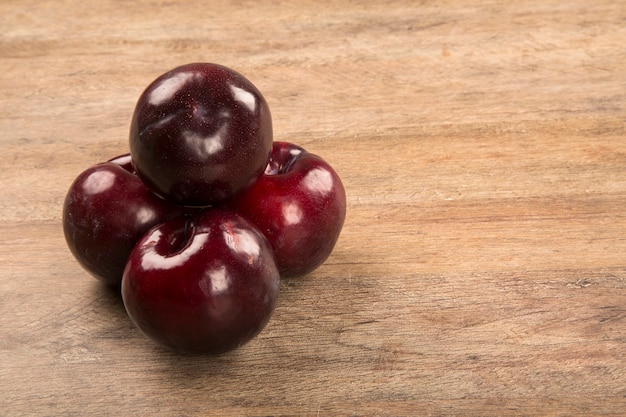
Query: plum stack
[205, 214]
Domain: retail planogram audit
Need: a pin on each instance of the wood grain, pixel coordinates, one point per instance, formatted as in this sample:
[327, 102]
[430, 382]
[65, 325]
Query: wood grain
[482, 267]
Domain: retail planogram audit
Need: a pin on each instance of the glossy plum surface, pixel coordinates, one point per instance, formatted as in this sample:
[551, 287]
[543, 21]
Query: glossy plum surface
[125, 161]
[205, 284]
[200, 133]
[106, 211]
[299, 204]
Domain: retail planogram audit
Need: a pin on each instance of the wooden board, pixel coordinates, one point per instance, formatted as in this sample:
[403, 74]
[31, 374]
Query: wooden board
[482, 267]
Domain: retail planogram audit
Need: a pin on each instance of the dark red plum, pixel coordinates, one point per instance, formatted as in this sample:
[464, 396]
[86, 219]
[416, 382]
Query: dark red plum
[205, 284]
[200, 133]
[299, 204]
[106, 211]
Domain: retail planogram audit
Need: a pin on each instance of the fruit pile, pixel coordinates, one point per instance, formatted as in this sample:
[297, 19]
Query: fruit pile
[205, 214]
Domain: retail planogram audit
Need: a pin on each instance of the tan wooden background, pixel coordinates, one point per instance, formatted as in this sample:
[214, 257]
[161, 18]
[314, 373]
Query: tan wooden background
[482, 267]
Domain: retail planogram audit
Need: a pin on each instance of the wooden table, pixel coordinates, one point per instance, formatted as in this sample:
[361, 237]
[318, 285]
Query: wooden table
[482, 266]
